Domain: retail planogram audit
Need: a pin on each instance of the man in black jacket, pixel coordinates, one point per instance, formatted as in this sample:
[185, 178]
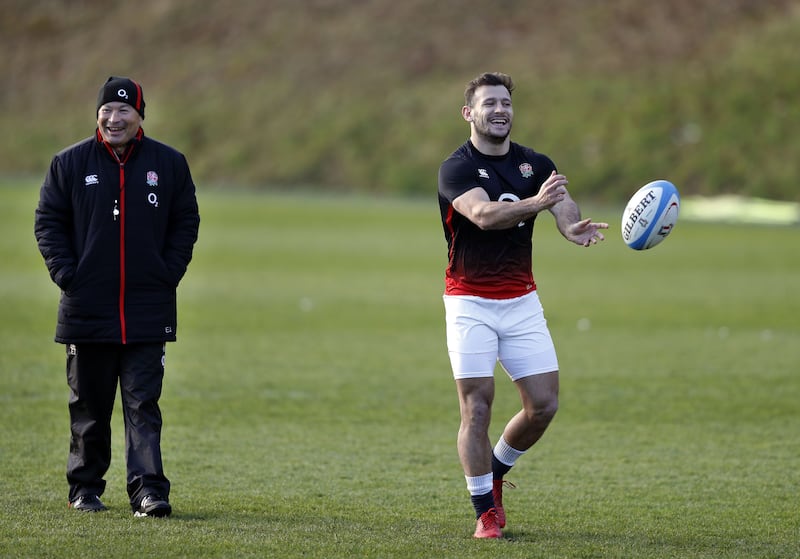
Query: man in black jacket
[116, 224]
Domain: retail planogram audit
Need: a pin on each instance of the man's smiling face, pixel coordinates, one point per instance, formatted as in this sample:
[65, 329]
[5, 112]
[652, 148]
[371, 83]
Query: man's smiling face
[491, 113]
[118, 123]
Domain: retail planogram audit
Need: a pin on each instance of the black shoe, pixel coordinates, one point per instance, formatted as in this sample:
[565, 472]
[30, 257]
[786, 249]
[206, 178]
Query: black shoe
[87, 503]
[153, 505]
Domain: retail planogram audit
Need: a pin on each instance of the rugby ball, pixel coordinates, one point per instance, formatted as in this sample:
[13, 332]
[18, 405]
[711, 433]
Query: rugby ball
[650, 215]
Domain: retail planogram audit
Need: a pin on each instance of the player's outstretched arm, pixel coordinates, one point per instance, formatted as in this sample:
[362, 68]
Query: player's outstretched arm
[584, 232]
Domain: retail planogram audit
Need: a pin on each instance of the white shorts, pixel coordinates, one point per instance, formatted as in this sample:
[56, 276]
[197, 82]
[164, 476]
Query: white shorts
[482, 331]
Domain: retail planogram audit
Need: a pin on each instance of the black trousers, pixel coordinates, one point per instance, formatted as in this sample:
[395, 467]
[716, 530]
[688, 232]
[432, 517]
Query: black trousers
[93, 371]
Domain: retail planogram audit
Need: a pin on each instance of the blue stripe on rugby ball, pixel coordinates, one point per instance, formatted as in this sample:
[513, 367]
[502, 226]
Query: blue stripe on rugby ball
[650, 215]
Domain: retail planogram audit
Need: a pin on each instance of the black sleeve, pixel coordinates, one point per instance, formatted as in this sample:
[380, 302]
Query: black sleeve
[53, 225]
[457, 176]
[184, 223]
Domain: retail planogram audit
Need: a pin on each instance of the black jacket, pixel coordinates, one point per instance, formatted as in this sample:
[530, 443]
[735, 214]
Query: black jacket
[117, 235]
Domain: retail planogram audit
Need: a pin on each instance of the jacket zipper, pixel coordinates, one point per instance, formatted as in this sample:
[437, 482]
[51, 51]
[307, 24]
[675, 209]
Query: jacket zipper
[122, 323]
[119, 212]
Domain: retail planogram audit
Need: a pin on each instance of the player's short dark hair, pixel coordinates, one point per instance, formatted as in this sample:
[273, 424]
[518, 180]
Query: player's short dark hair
[488, 78]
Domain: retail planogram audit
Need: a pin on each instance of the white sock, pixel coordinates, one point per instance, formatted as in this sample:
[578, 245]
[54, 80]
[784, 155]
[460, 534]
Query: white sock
[506, 454]
[479, 485]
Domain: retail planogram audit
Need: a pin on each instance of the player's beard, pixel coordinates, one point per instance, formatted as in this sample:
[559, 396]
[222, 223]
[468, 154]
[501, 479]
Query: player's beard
[484, 130]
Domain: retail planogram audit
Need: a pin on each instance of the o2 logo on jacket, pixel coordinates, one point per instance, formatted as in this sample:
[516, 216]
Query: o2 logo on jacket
[152, 182]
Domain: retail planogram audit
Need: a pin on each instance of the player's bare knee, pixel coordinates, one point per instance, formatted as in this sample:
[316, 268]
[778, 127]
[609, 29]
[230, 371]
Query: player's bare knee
[549, 411]
[476, 414]
[542, 412]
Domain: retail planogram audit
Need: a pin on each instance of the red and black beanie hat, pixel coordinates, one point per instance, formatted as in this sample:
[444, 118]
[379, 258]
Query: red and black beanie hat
[123, 90]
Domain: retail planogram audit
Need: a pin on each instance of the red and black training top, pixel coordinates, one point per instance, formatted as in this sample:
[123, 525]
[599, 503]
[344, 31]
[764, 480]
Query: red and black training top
[494, 264]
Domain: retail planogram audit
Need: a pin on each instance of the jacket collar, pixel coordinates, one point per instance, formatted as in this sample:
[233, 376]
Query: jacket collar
[131, 147]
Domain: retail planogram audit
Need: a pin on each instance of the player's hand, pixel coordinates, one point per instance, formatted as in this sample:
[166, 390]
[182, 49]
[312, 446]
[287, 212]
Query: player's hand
[586, 232]
[553, 191]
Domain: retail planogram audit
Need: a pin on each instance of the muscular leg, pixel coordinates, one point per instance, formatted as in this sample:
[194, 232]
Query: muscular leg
[539, 395]
[475, 396]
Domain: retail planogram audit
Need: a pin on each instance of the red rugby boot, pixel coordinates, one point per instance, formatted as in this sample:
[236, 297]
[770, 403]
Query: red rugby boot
[497, 493]
[487, 526]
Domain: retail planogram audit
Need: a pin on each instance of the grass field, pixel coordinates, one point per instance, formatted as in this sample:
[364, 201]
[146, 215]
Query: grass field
[309, 409]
